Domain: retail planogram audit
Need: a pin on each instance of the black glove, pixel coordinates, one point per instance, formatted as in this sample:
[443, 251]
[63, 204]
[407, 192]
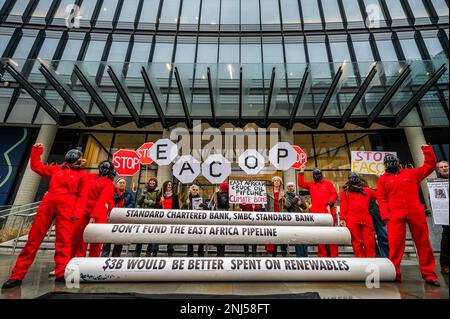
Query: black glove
[330, 204]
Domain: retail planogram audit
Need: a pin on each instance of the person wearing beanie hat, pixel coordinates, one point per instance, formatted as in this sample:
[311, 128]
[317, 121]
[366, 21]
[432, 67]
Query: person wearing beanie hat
[149, 198]
[294, 204]
[123, 198]
[221, 202]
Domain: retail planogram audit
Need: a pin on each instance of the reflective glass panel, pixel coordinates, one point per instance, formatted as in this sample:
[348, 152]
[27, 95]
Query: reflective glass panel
[210, 12]
[270, 12]
[149, 11]
[250, 12]
[190, 11]
[230, 12]
[290, 11]
[169, 13]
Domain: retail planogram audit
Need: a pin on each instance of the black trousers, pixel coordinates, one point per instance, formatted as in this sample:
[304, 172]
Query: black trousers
[117, 250]
[254, 250]
[444, 247]
[283, 250]
[220, 250]
[201, 250]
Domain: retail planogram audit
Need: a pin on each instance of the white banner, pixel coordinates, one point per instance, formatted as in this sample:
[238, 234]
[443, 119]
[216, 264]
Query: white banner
[194, 234]
[228, 269]
[369, 162]
[438, 190]
[201, 217]
[248, 192]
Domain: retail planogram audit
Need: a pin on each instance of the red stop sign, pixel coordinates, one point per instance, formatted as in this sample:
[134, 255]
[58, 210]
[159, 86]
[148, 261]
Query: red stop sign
[302, 158]
[144, 153]
[126, 162]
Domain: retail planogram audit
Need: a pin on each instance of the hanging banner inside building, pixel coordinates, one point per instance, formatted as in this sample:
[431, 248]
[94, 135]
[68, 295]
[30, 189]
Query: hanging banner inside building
[438, 190]
[201, 217]
[194, 234]
[247, 192]
[228, 269]
[369, 162]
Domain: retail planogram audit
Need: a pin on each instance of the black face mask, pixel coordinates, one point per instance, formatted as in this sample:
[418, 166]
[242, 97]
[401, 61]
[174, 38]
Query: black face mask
[354, 178]
[107, 169]
[317, 175]
[391, 164]
[73, 156]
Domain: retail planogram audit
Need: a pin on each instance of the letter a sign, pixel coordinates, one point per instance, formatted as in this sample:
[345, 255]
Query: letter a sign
[126, 162]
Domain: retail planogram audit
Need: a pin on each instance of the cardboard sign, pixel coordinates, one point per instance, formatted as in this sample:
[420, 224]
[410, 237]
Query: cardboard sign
[248, 192]
[369, 162]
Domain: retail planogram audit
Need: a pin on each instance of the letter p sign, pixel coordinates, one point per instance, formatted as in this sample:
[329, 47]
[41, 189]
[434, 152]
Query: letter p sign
[283, 156]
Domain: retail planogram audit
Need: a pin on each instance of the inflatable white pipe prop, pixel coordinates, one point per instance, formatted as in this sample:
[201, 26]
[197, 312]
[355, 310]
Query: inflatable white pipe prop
[201, 217]
[228, 269]
[194, 234]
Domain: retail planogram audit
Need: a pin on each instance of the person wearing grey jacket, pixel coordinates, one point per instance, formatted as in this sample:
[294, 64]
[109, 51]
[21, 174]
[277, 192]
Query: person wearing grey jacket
[293, 203]
[149, 198]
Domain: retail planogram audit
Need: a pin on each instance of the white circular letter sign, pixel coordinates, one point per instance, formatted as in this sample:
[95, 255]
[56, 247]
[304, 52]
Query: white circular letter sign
[283, 156]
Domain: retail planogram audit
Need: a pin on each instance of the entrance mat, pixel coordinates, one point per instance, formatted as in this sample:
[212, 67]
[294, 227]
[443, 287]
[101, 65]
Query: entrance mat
[68, 295]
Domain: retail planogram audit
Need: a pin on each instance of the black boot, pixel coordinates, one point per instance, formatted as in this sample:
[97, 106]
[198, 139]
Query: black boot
[11, 283]
[433, 283]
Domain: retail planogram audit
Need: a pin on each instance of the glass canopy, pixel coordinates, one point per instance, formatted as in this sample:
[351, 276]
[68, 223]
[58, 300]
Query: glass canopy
[332, 93]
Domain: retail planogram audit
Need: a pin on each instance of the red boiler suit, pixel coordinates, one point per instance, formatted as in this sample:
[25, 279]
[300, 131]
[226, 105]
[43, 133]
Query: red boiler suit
[65, 198]
[398, 198]
[355, 211]
[99, 202]
[322, 193]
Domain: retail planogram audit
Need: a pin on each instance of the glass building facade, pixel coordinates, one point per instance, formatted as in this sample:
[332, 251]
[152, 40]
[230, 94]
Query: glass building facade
[353, 69]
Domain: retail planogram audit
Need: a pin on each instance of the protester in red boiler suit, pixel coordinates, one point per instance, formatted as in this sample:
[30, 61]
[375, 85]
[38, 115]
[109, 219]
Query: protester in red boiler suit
[100, 201]
[65, 199]
[354, 214]
[323, 197]
[398, 198]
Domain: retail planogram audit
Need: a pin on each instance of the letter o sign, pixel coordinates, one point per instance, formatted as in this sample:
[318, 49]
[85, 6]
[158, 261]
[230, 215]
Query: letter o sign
[251, 162]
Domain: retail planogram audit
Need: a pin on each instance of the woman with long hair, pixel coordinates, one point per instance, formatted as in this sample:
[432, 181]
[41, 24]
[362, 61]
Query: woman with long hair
[169, 200]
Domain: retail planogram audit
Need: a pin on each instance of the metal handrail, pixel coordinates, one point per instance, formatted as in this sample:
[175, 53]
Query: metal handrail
[20, 211]
[16, 240]
[18, 206]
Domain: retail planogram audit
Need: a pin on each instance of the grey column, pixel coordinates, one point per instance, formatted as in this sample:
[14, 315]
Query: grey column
[288, 136]
[30, 181]
[416, 139]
